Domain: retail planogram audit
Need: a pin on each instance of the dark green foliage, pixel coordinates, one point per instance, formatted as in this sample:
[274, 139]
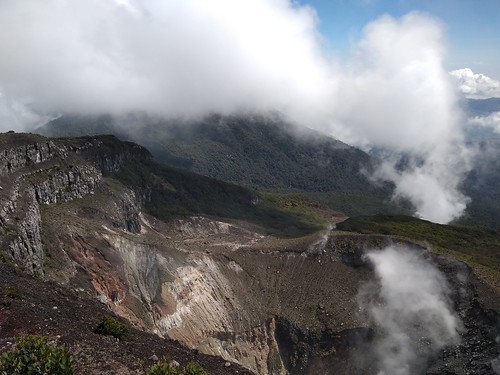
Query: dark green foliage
[471, 243]
[11, 292]
[4, 259]
[110, 326]
[34, 356]
[166, 367]
[194, 369]
[163, 367]
[177, 193]
[260, 152]
[357, 203]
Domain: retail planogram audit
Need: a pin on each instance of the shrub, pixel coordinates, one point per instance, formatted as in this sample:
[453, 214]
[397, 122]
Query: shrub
[5, 260]
[195, 369]
[11, 292]
[110, 326]
[34, 356]
[163, 367]
[166, 367]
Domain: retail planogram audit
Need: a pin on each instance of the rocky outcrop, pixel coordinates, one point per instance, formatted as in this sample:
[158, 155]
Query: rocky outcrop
[21, 156]
[58, 185]
[106, 152]
[21, 219]
[26, 246]
[36, 171]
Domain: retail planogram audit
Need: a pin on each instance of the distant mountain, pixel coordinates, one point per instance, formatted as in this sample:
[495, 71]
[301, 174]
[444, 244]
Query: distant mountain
[482, 107]
[260, 152]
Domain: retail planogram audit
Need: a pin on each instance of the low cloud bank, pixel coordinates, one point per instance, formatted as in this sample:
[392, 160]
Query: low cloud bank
[410, 310]
[491, 121]
[476, 85]
[193, 57]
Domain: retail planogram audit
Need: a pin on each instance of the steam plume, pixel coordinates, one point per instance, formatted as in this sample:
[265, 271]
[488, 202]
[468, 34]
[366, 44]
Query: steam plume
[400, 98]
[189, 58]
[411, 310]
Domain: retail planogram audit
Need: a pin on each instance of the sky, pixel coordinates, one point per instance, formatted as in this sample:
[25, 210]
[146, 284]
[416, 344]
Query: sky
[377, 74]
[472, 26]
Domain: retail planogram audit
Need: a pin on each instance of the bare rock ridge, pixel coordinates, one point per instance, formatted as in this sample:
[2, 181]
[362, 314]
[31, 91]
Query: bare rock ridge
[275, 306]
[41, 171]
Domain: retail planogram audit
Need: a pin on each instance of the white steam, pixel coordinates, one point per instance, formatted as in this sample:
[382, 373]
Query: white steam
[192, 57]
[410, 309]
[400, 98]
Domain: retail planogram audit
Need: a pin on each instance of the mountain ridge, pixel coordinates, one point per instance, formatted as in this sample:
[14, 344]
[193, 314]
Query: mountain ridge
[260, 152]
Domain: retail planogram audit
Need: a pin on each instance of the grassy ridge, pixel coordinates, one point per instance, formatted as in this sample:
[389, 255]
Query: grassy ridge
[475, 245]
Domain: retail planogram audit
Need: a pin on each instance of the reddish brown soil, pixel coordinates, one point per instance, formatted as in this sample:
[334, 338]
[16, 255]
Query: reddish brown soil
[68, 318]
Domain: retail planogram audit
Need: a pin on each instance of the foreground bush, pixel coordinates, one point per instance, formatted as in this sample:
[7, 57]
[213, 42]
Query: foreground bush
[34, 356]
[167, 367]
[195, 369]
[110, 326]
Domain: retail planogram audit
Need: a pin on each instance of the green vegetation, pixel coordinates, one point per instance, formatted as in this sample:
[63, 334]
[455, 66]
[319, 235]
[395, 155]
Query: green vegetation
[475, 245]
[33, 355]
[4, 259]
[11, 292]
[166, 367]
[194, 369]
[178, 193]
[358, 203]
[110, 326]
[300, 205]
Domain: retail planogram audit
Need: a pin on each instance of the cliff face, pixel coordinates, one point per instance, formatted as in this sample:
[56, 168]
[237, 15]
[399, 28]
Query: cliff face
[35, 171]
[275, 306]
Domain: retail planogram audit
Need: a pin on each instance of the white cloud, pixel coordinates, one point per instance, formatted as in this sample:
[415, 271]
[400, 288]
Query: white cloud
[491, 121]
[165, 57]
[191, 57]
[476, 85]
